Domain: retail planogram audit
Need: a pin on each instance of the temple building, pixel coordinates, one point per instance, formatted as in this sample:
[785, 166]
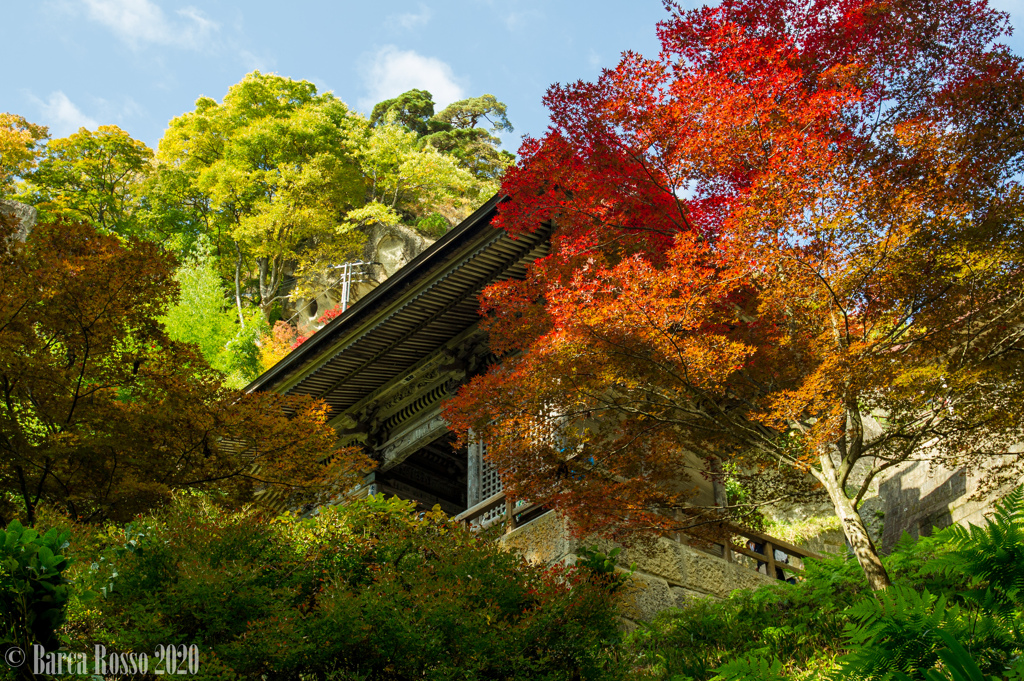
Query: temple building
[385, 365]
[388, 361]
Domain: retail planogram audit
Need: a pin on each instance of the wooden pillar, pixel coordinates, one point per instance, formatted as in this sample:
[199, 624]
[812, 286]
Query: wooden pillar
[769, 553]
[718, 482]
[510, 516]
[473, 465]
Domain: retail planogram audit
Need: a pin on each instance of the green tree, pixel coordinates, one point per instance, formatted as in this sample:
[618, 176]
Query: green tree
[369, 590]
[20, 143]
[176, 213]
[407, 182]
[276, 160]
[93, 176]
[202, 316]
[455, 131]
[412, 110]
[458, 132]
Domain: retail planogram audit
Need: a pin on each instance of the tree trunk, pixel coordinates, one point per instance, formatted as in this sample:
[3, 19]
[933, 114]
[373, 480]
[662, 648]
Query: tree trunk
[853, 527]
[269, 281]
[266, 287]
[238, 283]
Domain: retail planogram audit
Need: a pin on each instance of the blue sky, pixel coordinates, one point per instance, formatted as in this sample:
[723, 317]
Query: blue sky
[138, 63]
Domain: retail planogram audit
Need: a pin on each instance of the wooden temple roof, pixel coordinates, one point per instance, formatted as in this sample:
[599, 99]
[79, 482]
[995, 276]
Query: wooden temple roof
[425, 305]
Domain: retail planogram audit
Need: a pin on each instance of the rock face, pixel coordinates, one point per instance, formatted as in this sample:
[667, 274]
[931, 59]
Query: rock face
[387, 249]
[392, 248]
[23, 215]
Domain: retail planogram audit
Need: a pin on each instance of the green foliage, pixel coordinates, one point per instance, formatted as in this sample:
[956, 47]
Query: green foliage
[798, 531]
[33, 587]
[896, 631]
[372, 590]
[603, 566]
[752, 668]
[283, 180]
[203, 315]
[91, 176]
[413, 110]
[954, 614]
[434, 225]
[596, 561]
[276, 161]
[959, 665]
[410, 181]
[455, 132]
[458, 133]
[20, 145]
[991, 556]
[174, 211]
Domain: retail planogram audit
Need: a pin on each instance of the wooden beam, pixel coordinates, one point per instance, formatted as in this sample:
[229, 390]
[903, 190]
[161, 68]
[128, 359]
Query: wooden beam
[489, 504]
[778, 543]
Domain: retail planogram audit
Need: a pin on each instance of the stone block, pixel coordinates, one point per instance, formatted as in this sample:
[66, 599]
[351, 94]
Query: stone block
[685, 596]
[644, 596]
[543, 540]
[717, 576]
[665, 559]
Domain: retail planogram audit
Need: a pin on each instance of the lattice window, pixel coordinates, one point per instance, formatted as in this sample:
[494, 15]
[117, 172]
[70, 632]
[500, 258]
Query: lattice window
[490, 484]
[484, 482]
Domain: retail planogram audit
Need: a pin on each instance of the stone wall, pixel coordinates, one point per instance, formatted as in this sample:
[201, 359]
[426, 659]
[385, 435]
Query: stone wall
[919, 497]
[667, 575]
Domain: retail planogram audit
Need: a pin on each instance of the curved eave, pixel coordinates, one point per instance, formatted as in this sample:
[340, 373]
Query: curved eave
[427, 303]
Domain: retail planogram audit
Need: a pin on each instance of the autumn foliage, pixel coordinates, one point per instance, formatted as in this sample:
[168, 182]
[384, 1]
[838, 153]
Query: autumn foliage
[792, 241]
[285, 337]
[103, 416]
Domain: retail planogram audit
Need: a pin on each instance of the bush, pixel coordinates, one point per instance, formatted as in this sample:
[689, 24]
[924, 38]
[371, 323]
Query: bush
[33, 587]
[373, 590]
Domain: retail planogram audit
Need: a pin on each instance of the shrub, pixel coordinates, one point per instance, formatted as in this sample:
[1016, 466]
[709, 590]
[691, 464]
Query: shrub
[371, 590]
[33, 587]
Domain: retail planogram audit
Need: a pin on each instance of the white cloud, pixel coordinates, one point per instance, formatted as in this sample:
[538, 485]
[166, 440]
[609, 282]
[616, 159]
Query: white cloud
[514, 20]
[255, 62]
[411, 20]
[142, 21]
[115, 112]
[62, 116]
[392, 71]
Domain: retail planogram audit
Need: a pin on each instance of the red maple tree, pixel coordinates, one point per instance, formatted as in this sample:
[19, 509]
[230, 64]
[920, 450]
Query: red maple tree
[792, 241]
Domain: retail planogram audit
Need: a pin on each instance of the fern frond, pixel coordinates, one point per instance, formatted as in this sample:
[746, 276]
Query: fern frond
[991, 555]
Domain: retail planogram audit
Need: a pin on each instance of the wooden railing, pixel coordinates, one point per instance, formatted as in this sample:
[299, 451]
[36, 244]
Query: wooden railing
[770, 545]
[498, 500]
